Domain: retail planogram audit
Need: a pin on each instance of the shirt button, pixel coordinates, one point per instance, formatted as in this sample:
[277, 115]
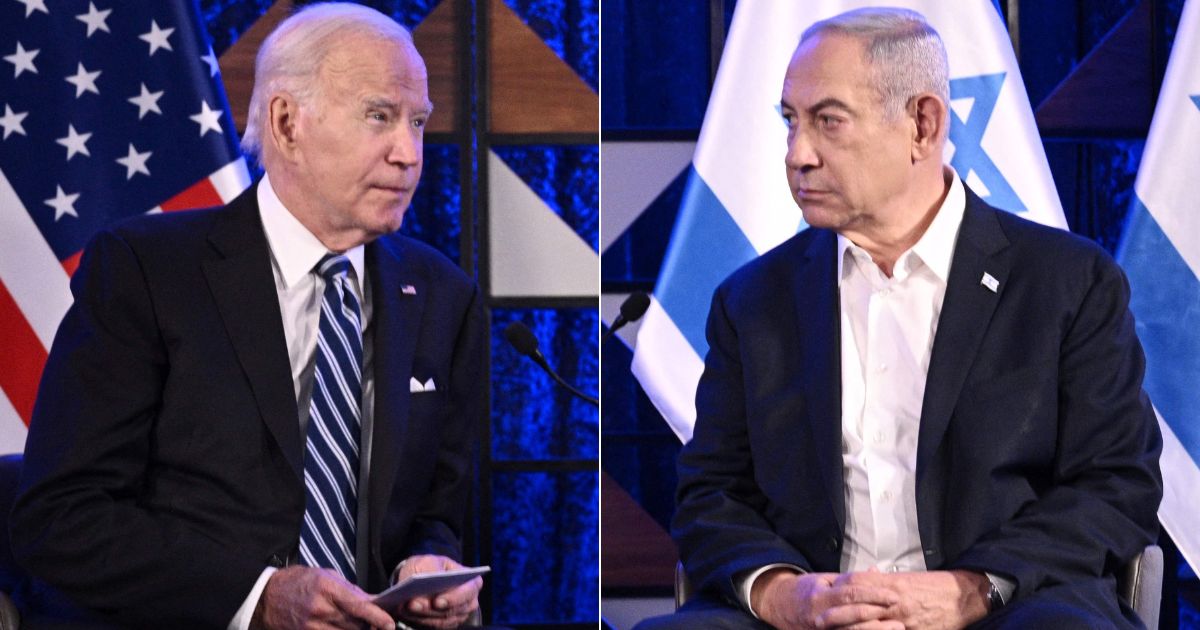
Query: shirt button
[878, 437]
[894, 569]
[886, 495]
[882, 367]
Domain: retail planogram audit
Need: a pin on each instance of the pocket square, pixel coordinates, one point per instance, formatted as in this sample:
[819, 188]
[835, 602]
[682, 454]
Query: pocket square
[415, 385]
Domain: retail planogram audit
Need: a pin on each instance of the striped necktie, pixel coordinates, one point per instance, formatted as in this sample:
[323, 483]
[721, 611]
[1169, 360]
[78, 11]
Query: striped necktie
[332, 436]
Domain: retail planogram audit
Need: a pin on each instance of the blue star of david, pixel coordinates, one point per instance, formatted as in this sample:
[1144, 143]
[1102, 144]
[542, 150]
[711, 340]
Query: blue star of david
[1196, 100]
[967, 136]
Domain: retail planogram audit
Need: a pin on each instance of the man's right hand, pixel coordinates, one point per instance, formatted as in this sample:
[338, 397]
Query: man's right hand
[304, 597]
[791, 601]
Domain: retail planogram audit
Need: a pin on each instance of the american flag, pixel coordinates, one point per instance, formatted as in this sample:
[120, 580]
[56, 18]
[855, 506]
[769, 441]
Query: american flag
[108, 109]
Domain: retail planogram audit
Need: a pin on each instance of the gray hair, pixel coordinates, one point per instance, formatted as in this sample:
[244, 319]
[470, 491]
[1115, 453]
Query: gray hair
[906, 55]
[290, 58]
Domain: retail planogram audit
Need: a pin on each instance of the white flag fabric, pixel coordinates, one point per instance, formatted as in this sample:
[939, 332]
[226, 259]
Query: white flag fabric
[737, 204]
[1160, 251]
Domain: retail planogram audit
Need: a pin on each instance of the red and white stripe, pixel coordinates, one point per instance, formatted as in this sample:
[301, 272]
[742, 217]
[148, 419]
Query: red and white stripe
[35, 292]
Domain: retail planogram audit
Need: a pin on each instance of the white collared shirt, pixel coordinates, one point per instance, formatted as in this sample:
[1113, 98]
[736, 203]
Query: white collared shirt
[295, 252]
[887, 331]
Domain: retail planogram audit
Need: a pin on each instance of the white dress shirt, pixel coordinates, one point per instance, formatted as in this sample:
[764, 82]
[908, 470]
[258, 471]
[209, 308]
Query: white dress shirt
[295, 252]
[888, 326]
[887, 330]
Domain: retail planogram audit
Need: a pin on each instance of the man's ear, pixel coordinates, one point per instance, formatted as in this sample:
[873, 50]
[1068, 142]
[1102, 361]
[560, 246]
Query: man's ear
[282, 119]
[932, 121]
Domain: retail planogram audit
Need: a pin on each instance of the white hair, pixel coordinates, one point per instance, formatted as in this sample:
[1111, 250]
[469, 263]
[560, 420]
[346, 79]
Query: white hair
[290, 58]
[906, 55]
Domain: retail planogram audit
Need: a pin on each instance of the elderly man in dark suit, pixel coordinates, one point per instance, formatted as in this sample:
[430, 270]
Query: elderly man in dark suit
[922, 412]
[252, 416]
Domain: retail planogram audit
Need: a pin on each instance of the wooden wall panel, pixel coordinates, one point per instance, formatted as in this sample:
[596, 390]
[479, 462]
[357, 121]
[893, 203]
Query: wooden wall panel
[437, 40]
[635, 551]
[1110, 92]
[532, 90]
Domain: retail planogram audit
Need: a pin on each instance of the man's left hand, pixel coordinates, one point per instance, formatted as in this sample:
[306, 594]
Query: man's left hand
[449, 609]
[937, 600]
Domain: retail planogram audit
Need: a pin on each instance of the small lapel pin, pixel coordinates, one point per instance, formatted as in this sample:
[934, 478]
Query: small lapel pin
[988, 281]
[408, 289]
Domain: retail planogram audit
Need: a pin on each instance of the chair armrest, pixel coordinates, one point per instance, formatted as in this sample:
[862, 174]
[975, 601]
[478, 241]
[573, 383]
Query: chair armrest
[1140, 584]
[10, 619]
[683, 586]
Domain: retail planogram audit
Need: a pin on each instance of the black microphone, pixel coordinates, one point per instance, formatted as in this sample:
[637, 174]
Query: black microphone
[523, 341]
[632, 310]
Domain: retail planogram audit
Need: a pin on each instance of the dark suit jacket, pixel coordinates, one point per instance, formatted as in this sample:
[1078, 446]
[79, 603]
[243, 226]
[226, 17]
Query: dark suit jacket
[1037, 451]
[164, 463]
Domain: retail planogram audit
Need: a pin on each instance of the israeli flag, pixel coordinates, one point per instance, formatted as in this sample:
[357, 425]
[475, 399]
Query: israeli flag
[737, 204]
[1160, 251]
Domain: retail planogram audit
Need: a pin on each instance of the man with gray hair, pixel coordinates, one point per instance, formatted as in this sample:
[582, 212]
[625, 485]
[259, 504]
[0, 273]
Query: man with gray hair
[921, 412]
[254, 416]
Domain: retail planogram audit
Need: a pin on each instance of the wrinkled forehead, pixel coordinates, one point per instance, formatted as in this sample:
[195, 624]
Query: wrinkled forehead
[829, 53]
[830, 66]
[360, 57]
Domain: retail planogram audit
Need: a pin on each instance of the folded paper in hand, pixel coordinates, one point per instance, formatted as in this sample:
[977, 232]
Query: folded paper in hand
[425, 584]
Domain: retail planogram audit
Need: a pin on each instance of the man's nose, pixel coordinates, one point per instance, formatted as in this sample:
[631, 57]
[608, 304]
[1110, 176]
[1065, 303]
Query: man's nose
[801, 154]
[405, 146]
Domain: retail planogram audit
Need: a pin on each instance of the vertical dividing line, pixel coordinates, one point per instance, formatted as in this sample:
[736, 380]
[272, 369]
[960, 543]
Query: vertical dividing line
[465, 135]
[464, 138]
[716, 38]
[1014, 27]
[481, 128]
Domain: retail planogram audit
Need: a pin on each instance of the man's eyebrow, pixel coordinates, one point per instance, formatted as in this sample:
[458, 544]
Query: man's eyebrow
[379, 102]
[830, 102]
[374, 102]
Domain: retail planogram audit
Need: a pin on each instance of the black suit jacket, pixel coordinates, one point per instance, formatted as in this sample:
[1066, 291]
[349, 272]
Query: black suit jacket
[1037, 451]
[164, 463]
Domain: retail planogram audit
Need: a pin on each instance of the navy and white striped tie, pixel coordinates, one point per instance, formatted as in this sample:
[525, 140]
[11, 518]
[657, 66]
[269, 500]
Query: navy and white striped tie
[331, 453]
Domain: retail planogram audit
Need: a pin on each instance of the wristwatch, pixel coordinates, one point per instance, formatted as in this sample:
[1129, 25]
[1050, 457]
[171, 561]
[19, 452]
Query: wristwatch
[995, 600]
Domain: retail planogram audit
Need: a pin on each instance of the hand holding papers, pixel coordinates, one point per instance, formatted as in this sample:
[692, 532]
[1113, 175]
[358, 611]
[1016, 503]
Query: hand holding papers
[425, 584]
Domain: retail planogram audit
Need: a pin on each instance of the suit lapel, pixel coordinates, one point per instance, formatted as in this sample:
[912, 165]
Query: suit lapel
[818, 310]
[240, 280]
[396, 324]
[966, 312]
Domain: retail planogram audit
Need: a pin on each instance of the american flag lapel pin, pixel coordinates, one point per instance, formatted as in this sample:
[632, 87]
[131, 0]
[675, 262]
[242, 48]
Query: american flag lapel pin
[990, 282]
[408, 289]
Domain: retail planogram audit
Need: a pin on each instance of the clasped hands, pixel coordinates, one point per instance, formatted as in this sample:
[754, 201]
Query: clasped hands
[304, 597]
[870, 600]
